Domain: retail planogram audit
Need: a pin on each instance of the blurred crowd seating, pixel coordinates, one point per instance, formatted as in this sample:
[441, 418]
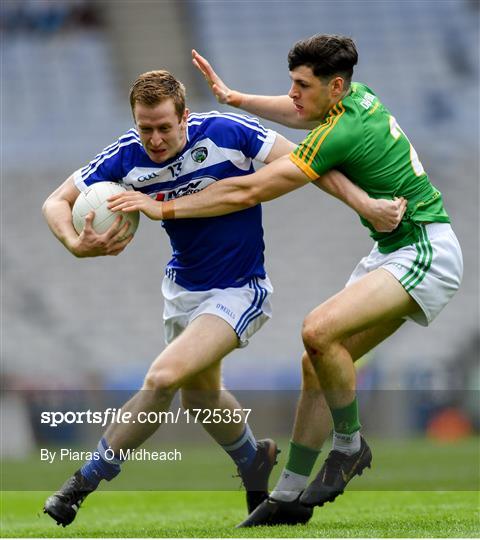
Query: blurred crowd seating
[47, 16]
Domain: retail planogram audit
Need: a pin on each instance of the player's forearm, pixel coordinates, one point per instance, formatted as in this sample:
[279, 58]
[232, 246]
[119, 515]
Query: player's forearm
[223, 197]
[279, 109]
[339, 186]
[383, 214]
[58, 216]
[276, 108]
[234, 194]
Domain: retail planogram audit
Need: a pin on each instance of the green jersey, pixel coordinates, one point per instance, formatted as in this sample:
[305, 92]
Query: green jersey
[360, 138]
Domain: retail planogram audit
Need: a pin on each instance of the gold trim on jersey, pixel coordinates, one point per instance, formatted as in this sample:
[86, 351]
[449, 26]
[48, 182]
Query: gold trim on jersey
[319, 134]
[305, 168]
[374, 108]
[307, 144]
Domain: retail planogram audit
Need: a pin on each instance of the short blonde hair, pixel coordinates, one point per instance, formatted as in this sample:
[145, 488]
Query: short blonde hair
[153, 87]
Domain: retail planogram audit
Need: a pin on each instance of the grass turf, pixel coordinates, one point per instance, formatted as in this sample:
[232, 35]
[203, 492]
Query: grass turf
[214, 514]
[375, 505]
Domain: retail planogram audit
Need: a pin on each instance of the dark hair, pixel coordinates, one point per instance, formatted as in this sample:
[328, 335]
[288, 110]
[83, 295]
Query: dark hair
[326, 55]
[153, 87]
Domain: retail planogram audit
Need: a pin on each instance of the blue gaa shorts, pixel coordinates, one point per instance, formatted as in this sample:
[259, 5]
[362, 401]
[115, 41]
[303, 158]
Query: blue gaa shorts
[430, 270]
[245, 308]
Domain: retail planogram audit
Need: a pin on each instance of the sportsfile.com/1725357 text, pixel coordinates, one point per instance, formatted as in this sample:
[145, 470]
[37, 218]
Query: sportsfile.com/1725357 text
[113, 415]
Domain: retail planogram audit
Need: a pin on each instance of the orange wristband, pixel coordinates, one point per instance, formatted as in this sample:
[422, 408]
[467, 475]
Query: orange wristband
[168, 210]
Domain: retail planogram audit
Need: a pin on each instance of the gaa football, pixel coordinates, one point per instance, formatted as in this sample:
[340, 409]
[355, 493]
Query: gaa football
[95, 198]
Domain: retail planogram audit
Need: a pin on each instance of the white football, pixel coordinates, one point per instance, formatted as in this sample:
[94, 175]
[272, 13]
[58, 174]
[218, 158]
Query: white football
[95, 198]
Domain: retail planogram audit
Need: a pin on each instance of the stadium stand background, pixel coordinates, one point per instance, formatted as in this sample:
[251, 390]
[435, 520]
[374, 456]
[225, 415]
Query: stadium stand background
[66, 70]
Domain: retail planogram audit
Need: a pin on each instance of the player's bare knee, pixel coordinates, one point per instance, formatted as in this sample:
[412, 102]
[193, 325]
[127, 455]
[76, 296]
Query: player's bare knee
[316, 335]
[163, 382]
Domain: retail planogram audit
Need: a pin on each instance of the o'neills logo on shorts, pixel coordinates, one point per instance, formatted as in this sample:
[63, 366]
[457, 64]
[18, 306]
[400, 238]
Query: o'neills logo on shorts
[229, 312]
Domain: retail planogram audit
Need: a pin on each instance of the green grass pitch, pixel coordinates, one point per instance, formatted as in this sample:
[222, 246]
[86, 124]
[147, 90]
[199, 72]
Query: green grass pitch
[416, 489]
[214, 514]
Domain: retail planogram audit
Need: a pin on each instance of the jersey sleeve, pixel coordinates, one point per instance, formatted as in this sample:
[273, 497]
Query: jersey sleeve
[324, 147]
[238, 132]
[107, 166]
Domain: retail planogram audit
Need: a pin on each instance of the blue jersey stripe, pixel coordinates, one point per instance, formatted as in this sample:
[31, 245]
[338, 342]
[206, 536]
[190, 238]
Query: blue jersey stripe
[93, 166]
[252, 123]
[131, 134]
[215, 171]
[130, 137]
[254, 127]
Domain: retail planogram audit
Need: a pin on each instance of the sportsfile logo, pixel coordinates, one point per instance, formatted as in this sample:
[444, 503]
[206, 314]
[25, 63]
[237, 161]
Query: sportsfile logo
[192, 187]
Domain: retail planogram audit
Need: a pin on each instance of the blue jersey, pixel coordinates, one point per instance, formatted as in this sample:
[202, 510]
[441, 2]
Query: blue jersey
[215, 252]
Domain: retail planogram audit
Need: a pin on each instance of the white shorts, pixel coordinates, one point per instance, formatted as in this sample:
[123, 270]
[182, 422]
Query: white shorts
[245, 308]
[430, 270]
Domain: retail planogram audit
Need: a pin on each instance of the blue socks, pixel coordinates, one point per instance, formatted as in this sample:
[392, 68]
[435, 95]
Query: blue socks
[243, 450]
[104, 465]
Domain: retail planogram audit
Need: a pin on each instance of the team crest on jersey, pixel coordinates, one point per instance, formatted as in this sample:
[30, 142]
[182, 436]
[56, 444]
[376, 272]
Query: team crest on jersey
[199, 154]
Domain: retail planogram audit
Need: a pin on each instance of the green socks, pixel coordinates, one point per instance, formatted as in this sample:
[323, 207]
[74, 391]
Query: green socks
[346, 434]
[345, 420]
[301, 459]
[294, 477]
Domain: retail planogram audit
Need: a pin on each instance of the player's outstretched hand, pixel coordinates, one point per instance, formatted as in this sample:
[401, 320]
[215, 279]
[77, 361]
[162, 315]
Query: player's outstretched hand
[220, 90]
[385, 215]
[129, 201]
[111, 242]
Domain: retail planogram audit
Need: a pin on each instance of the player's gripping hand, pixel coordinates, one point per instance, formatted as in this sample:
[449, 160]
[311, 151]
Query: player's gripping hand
[129, 201]
[385, 215]
[220, 90]
[111, 242]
